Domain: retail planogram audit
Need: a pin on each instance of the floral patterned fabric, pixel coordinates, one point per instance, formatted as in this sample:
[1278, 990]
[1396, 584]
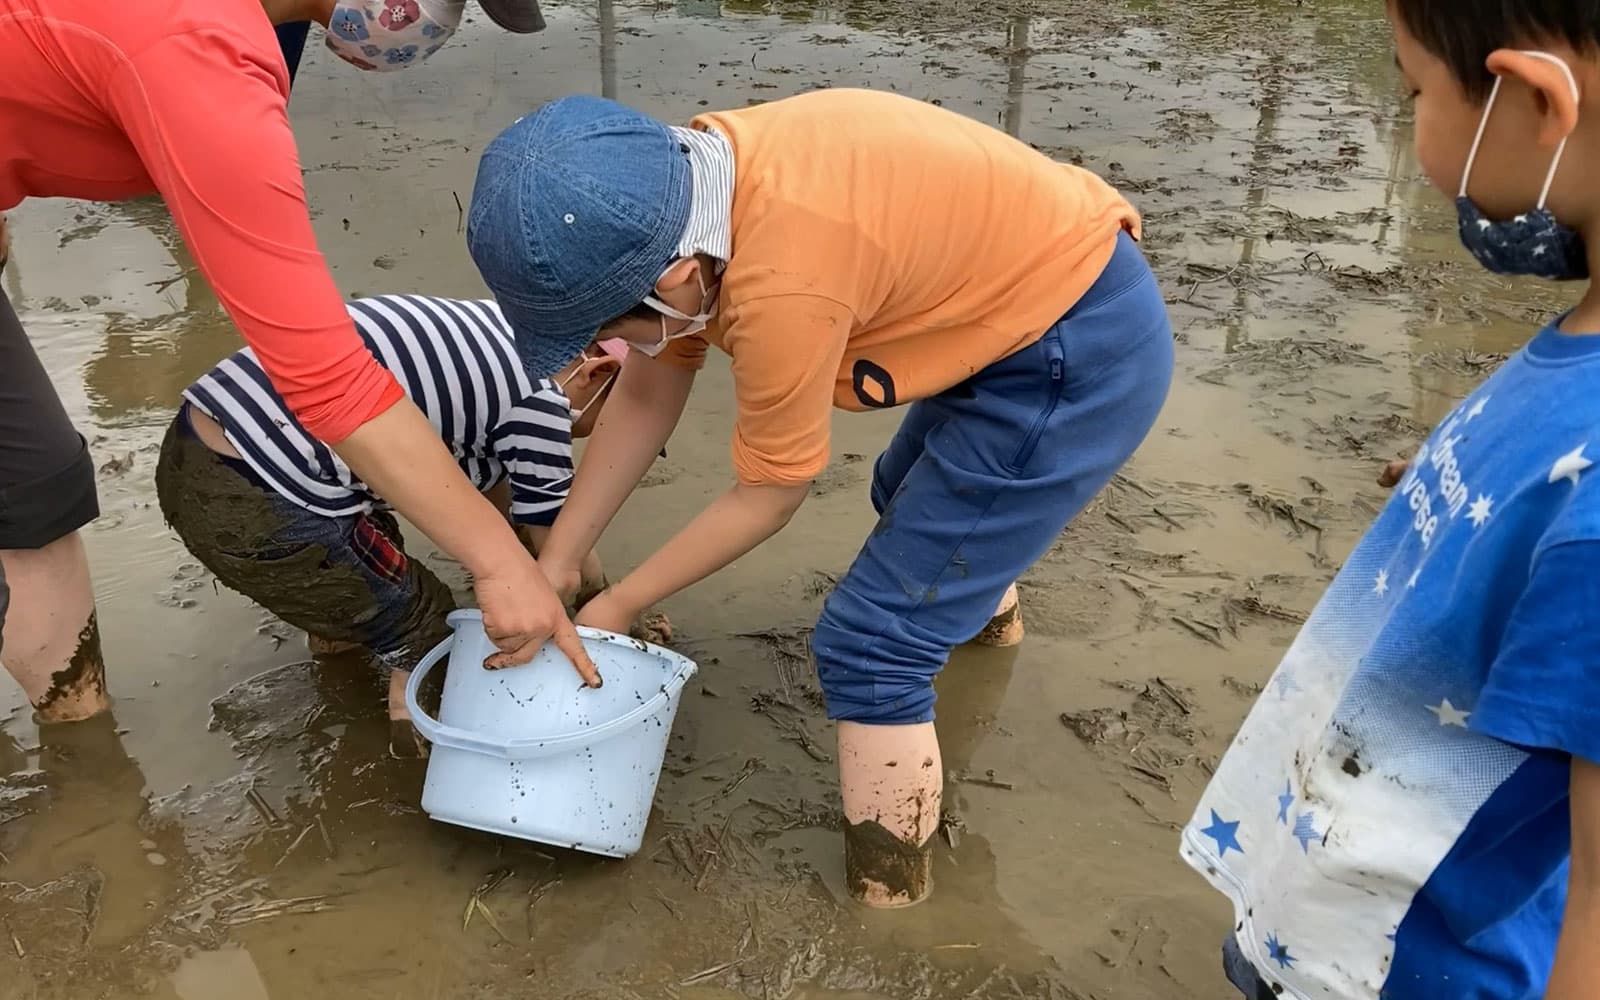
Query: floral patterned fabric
[391, 34]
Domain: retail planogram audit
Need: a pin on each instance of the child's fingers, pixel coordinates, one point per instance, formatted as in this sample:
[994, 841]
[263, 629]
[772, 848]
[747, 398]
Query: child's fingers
[511, 657]
[571, 644]
[566, 639]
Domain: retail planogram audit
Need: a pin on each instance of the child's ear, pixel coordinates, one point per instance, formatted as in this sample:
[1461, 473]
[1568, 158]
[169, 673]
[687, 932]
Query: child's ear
[1553, 83]
[597, 373]
[681, 273]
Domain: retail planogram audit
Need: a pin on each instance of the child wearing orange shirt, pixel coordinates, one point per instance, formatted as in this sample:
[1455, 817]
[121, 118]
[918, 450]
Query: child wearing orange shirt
[853, 250]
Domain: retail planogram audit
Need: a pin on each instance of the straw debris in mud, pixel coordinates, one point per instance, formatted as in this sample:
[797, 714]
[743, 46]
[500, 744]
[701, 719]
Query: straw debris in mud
[249, 913]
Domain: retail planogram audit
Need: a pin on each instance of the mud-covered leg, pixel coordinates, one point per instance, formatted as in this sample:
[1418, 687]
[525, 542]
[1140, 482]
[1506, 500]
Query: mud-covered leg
[49, 637]
[344, 580]
[1005, 628]
[421, 625]
[997, 468]
[891, 780]
[50, 642]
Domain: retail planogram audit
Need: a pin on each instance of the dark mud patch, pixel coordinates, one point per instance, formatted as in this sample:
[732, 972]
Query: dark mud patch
[875, 861]
[1288, 358]
[1159, 709]
[1155, 741]
[57, 918]
[653, 627]
[83, 680]
[274, 710]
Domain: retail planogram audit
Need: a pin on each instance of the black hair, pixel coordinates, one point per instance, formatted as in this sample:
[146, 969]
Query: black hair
[1463, 33]
[641, 311]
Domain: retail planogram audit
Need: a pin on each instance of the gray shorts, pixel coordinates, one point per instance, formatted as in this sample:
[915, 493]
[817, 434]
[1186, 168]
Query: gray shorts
[46, 475]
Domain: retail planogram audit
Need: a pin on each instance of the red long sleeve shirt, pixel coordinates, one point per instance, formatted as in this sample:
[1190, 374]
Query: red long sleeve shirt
[188, 98]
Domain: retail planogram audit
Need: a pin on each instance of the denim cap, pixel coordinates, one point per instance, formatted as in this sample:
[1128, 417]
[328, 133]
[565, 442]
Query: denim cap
[577, 210]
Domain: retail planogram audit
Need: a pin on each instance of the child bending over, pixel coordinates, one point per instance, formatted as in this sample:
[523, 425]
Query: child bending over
[275, 514]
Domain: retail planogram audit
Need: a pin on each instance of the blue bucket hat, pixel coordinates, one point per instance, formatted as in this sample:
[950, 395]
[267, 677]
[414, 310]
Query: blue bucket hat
[577, 210]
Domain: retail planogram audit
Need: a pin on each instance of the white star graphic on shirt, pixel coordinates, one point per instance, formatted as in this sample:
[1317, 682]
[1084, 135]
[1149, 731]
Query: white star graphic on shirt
[1570, 466]
[1477, 408]
[1480, 510]
[1380, 586]
[1540, 251]
[1416, 575]
[1448, 714]
[1484, 224]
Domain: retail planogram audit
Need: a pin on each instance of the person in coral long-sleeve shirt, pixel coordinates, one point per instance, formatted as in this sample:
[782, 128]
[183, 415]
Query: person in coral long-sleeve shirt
[106, 104]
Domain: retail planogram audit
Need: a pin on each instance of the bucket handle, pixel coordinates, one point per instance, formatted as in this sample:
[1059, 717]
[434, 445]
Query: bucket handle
[440, 734]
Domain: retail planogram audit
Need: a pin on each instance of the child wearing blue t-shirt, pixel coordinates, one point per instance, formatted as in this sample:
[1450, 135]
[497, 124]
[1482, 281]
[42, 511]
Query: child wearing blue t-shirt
[1412, 809]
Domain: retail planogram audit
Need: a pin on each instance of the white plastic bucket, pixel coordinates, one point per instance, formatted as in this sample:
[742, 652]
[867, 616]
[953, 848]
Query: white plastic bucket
[529, 752]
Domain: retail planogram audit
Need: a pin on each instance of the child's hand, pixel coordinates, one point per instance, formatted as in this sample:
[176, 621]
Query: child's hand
[1392, 473]
[592, 580]
[607, 613]
[521, 612]
[565, 580]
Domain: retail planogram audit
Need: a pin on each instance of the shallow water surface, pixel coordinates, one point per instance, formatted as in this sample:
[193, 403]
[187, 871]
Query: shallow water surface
[239, 831]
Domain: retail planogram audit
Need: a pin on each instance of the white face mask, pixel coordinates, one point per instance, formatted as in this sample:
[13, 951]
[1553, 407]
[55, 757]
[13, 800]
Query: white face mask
[697, 322]
[578, 412]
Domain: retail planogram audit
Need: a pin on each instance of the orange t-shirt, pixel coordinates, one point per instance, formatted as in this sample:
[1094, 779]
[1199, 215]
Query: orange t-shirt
[188, 98]
[885, 250]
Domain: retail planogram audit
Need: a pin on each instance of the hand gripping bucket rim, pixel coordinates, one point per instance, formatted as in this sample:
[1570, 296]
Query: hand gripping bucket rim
[442, 735]
[528, 752]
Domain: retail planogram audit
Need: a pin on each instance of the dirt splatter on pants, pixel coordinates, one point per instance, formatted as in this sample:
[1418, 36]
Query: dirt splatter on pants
[342, 578]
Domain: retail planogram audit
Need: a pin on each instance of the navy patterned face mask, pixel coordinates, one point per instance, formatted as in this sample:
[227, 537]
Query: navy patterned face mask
[1534, 243]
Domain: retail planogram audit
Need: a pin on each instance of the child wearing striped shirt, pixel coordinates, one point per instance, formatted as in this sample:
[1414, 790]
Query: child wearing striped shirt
[275, 514]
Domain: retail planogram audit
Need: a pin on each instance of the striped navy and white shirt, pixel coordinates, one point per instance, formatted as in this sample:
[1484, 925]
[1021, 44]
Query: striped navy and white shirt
[457, 362]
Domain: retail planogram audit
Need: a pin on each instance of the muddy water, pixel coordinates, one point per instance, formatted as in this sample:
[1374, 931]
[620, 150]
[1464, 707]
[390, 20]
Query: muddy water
[238, 832]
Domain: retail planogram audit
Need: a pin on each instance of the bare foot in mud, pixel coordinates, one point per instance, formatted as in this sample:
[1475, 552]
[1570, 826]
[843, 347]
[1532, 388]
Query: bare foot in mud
[1005, 628]
[405, 743]
[328, 647]
[653, 627]
[1392, 473]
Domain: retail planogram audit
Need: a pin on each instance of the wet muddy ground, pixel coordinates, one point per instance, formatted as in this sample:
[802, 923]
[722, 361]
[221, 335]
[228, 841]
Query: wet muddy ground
[238, 830]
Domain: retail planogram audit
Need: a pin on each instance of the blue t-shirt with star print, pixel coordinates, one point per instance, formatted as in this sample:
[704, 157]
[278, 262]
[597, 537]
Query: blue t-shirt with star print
[1392, 819]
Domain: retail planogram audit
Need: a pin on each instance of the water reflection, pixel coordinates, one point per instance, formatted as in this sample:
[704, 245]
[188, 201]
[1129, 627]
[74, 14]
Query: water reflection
[1016, 72]
[1265, 151]
[146, 361]
[608, 49]
[389, 159]
[94, 864]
